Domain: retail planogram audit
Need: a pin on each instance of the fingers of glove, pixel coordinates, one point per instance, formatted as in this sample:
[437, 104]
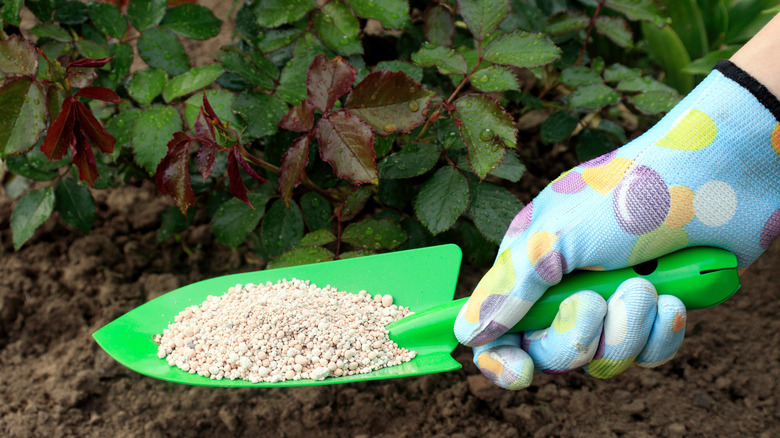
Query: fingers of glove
[504, 363]
[573, 338]
[631, 312]
[509, 289]
[667, 333]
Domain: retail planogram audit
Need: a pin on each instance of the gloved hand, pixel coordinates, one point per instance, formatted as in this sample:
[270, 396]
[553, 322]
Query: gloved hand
[708, 174]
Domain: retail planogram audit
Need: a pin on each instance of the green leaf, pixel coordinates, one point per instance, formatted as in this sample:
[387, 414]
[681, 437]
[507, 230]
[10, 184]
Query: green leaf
[316, 210]
[492, 209]
[355, 253]
[20, 165]
[11, 10]
[374, 234]
[193, 80]
[389, 102]
[645, 10]
[644, 83]
[522, 49]
[666, 48]
[495, 78]
[32, 210]
[442, 199]
[17, 57]
[152, 130]
[107, 18]
[414, 72]
[525, 16]
[567, 21]
[120, 65]
[395, 193]
[447, 61]
[688, 22]
[52, 31]
[144, 14]
[439, 27]
[486, 129]
[655, 102]
[221, 102]
[192, 21]
[347, 144]
[619, 72]
[72, 13]
[338, 28]
[593, 97]
[172, 222]
[301, 256]
[413, 160]
[292, 82]
[592, 144]
[616, 29]
[577, 76]
[745, 18]
[274, 13]
[234, 219]
[717, 20]
[22, 115]
[120, 127]
[91, 49]
[614, 130]
[393, 14]
[261, 113]
[75, 204]
[252, 66]
[475, 247]
[558, 127]
[703, 65]
[317, 238]
[510, 169]
[483, 16]
[274, 39]
[161, 48]
[282, 227]
[147, 84]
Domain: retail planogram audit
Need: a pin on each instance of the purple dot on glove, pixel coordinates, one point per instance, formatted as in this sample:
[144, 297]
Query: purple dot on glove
[521, 221]
[641, 201]
[490, 333]
[572, 182]
[551, 267]
[599, 161]
[771, 230]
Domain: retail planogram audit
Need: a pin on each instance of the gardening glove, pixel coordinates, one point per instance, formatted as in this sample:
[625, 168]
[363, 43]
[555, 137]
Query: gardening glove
[707, 174]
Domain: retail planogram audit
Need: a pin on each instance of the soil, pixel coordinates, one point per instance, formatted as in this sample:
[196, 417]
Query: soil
[64, 285]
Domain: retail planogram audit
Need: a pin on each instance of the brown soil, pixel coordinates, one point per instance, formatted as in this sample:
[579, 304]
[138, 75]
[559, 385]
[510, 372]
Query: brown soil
[56, 381]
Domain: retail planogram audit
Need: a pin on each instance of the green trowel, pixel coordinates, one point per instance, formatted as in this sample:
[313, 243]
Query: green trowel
[422, 279]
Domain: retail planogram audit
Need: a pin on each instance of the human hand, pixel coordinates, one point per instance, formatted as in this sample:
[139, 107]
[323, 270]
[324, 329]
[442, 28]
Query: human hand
[705, 175]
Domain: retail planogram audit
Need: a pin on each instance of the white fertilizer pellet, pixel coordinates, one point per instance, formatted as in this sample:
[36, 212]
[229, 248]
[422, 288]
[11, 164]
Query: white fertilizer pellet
[290, 330]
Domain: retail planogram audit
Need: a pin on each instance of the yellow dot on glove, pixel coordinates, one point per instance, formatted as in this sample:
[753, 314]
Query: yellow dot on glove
[662, 240]
[693, 131]
[486, 362]
[776, 139]
[499, 280]
[681, 211]
[604, 178]
[539, 245]
[566, 318]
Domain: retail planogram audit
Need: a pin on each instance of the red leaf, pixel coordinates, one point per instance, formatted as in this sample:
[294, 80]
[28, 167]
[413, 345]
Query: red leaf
[90, 62]
[206, 156]
[346, 142]
[60, 136]
[291, 171]
[237, 187]
[83, 158]
[203, 128]
[99, 93]
[173, 176]
[93, 129]
[248, 169]
[327, 80]
[390, 102]
[300, 118]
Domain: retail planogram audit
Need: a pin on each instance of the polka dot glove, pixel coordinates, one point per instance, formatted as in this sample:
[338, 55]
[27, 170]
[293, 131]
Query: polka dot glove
[708, 174]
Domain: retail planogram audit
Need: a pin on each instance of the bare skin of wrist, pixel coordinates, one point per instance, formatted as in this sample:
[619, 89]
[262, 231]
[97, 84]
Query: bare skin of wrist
[759, 56]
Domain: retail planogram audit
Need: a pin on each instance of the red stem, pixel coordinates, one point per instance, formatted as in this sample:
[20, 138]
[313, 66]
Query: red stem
[590, 29]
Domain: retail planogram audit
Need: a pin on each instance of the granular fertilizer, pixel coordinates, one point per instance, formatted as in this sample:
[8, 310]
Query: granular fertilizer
[290, 330]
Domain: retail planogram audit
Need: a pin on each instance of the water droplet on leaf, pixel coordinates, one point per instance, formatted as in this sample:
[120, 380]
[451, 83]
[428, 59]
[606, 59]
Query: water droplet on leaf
[390, 127]
[413, 106]
[486, 134]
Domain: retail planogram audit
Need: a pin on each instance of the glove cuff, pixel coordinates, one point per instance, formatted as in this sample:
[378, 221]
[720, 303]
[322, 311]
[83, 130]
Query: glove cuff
[757, 89]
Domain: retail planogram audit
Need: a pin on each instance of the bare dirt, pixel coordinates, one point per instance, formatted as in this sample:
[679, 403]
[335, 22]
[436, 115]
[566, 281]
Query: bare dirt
[55, 381]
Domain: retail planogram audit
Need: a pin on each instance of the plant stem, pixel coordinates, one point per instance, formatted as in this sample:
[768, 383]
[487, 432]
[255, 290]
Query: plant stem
[590, 29]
